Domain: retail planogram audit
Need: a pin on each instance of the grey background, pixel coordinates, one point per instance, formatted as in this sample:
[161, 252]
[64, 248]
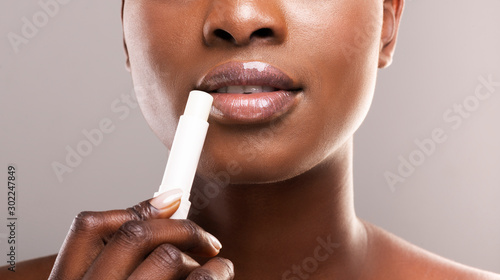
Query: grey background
[66, 78]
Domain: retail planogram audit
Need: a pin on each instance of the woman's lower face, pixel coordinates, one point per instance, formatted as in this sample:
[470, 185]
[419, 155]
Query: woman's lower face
[292, 79]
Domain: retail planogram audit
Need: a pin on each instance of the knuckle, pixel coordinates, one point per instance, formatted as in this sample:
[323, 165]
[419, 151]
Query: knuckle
[134, 234]
[201, 274]
[140, 212]
[85, 221]
[192, 229]
[227, 264]
[167, 255]
[220, 268]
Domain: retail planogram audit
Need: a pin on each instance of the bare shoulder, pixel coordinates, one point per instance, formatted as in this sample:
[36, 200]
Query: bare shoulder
[395, 258]
[30, 270]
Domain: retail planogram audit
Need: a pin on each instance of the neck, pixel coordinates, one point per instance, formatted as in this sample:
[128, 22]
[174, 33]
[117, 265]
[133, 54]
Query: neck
[304, 227]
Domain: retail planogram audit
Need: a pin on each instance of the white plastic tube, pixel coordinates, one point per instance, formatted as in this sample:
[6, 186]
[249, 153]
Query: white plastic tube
[186, 149]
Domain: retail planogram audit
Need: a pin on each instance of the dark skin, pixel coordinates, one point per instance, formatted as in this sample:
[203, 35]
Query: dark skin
[284, 191]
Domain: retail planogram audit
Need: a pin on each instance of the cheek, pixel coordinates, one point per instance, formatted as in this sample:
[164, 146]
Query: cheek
[159, 45]
[345, 50]
[160, 30]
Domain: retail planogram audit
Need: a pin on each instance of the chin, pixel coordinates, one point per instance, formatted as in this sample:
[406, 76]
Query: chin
[259, 167]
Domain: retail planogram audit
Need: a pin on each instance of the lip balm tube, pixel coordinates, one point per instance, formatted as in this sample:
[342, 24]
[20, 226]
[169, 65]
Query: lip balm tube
[186, 149]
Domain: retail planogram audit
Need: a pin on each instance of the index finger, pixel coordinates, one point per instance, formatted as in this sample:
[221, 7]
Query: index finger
[105, 224]
[91, 231]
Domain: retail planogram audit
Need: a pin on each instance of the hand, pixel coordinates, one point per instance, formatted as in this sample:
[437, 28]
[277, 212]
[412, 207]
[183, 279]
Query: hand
[139, 243]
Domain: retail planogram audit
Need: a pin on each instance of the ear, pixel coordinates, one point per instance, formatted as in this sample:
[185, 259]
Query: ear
[393, 9]
[127, 62]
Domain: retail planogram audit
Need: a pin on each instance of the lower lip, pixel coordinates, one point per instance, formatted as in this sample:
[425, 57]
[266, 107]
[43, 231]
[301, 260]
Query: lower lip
[239, 108]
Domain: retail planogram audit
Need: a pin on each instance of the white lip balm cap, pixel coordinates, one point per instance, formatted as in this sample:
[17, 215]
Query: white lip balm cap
[199, 104]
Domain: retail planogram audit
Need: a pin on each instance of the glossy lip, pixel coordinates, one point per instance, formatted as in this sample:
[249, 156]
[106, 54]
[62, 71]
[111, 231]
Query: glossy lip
[239, 108]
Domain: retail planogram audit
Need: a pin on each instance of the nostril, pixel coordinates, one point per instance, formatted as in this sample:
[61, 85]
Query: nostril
[224, 35]
[263, 33]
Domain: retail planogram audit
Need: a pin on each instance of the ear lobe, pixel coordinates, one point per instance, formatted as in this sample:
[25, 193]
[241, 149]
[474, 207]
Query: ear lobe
[393, 10]
[127, 62]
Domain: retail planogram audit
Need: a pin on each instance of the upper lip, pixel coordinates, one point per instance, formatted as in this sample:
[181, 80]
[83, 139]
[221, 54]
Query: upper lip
[252, 73]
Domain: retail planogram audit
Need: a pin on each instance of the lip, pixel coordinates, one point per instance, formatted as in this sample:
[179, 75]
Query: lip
[239, 108]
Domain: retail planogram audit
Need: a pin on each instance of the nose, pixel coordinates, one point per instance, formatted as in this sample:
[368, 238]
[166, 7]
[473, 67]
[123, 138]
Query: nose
[240, 23]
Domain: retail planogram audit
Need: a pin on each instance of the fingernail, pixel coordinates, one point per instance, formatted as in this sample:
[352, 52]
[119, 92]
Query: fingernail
[215, 242]
[166, 199]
